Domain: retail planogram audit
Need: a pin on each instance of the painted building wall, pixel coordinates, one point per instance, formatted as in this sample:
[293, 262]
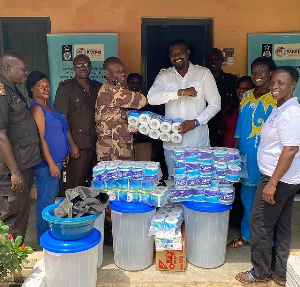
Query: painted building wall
[232, 20]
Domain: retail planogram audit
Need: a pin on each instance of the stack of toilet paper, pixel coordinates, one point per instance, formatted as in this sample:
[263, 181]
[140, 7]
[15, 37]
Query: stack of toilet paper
[155, 126]
[205, 175]
[131, 181]
[166, 226]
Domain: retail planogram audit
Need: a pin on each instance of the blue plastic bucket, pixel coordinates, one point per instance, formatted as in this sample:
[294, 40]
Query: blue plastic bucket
[71, 263]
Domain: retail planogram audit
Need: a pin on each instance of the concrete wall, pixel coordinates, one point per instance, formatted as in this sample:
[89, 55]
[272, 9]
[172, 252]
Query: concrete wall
[232, 20]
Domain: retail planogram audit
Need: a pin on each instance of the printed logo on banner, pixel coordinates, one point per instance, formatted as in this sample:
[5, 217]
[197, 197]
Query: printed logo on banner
[94, 51]
[66, 52]
[287, 51]
[280, 51]
[267, 50]
[80, 51]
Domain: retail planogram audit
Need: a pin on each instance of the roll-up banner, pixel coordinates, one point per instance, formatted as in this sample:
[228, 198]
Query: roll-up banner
[283, 48]
[63, 48]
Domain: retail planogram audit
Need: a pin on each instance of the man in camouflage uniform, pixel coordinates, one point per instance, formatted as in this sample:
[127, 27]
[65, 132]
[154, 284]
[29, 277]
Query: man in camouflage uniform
[114, 141]
[19, 144]
[75, 99]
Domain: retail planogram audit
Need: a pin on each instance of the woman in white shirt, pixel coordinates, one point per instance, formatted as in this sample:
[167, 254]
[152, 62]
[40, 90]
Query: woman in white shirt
[278, 160]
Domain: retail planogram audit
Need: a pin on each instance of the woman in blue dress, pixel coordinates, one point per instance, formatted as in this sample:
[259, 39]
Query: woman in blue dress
[255, 108]
[53, 129]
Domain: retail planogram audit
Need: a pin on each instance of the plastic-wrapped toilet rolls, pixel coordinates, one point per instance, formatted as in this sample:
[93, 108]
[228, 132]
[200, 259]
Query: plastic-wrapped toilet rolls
[155, 126]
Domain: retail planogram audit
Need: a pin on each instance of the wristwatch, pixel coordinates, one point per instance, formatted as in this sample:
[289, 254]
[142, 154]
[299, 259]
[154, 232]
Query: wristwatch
[197, 123]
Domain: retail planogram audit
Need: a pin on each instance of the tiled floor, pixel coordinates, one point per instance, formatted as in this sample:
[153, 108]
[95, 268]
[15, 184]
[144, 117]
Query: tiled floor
[236, 260]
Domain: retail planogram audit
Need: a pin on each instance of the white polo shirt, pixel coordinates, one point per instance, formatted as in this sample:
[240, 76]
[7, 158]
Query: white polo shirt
[282, 128]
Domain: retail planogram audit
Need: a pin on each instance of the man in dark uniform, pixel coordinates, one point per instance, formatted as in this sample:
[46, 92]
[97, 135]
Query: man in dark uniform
[75, 99]
[19, 144]
[226, 84]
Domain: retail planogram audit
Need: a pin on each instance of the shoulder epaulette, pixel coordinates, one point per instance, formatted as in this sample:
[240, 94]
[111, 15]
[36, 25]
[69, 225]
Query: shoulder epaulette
[65, 82]
[2, 90]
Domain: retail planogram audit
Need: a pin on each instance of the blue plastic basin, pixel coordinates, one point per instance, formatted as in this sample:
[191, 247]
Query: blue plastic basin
[68, 228]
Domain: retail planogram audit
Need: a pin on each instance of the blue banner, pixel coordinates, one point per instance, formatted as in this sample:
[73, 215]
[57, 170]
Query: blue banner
[63, 48]
[283, 48]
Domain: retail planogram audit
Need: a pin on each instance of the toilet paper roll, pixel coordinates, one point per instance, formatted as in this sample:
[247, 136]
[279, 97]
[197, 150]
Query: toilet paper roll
[143, 129]
[157, 198]
[166, 125]
[155, 122]
[175, 125]
[100, 168]
[154, 134]
[132, 128]
[158, 221]
[133, 119]
[145, 118]
[176, 138]
[165, 137]
[176, 214]
[151, 169]
[171, 222]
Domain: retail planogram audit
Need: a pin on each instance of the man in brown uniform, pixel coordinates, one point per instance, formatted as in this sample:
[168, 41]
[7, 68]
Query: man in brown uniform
[75, 99]
[114, 141]
[19, 144]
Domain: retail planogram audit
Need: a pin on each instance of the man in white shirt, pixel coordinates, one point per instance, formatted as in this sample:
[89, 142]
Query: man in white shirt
[189, 92]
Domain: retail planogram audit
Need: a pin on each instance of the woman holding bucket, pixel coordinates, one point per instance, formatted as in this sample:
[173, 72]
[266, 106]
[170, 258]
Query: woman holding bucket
[53, 128]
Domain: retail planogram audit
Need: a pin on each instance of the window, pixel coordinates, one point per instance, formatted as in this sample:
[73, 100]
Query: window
[28, 36]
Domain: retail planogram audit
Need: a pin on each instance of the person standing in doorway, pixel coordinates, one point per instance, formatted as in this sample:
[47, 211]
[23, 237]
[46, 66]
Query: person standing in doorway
[75, 100]
[189, 92]
[227, 84]
[19, 144]
[134, 82]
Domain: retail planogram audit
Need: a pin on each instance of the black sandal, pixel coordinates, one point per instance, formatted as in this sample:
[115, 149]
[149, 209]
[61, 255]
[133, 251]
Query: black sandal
[278, 282]
[248, 278]
[238, 242]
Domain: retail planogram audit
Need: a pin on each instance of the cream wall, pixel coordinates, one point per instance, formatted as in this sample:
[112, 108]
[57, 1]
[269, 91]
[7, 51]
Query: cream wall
[232, 20]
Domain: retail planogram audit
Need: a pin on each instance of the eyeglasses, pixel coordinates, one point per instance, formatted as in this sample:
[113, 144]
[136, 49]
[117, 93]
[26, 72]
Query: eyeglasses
[80, 65]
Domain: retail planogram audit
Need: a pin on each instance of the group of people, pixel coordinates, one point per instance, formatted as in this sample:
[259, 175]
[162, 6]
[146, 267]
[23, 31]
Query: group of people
[88, 123]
